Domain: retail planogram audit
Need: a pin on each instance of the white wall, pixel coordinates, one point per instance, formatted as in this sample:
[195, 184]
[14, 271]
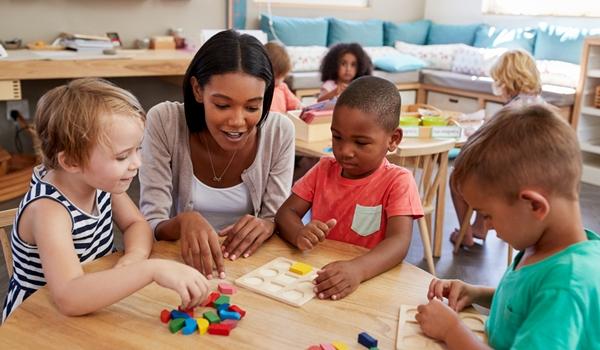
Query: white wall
[389, 10]
[469, 11]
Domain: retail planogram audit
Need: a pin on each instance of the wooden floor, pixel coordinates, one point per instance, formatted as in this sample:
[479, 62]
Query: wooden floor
[482, 264]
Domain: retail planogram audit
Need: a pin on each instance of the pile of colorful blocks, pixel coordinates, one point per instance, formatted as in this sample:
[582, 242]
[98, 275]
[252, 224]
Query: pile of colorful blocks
[220, 322]
[363, 338]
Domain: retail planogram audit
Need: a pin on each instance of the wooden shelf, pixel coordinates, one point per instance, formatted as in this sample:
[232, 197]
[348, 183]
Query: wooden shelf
[590, 111]
[591, 174]
[590, 147]
[594, 73]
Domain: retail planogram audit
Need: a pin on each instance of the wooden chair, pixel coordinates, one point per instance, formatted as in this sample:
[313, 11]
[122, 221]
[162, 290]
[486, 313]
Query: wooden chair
[7, 218]
[428, 161]
[463, 230]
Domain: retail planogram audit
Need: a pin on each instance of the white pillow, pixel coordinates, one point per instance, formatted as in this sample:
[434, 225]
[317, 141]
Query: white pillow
[376, 52]
[559, 73]
[306, 58]
[438, 56]
[475, 61]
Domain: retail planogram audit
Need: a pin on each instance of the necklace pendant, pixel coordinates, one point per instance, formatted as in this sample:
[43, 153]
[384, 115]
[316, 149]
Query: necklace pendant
[217, 179]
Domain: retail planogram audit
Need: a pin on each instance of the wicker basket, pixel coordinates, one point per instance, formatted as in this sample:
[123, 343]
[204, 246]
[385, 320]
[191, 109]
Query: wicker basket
[597, 99]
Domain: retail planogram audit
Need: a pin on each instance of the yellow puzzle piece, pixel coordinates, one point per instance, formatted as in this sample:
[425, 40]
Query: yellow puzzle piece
[338, 345]
[300, 268]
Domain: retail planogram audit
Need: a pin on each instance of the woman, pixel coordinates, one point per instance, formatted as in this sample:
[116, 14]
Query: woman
[218, 162]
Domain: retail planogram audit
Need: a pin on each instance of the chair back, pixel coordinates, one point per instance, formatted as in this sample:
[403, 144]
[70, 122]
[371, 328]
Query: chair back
[428, 162]
[7, 218]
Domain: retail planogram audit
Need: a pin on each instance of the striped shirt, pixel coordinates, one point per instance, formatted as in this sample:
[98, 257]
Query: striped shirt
[92, 238]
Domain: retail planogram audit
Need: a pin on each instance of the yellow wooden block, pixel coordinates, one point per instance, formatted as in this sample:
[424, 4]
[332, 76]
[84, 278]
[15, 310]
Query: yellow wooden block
[202, 325]
[300, 268]
[338, 345]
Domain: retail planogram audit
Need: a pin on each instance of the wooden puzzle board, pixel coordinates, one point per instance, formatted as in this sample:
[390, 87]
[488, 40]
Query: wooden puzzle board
[274, 280]
[410, 335]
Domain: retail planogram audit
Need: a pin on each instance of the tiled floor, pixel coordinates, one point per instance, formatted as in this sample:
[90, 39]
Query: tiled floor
[482, 264]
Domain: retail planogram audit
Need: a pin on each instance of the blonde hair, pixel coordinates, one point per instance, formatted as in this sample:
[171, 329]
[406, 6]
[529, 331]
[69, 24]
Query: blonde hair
[71, 118]
[515, 72]
[528, 146]
[280, 60]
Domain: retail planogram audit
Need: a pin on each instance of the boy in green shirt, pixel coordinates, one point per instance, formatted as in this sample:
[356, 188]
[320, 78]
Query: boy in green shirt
[521, 171]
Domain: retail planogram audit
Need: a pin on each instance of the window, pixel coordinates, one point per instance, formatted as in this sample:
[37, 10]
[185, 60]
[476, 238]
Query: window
[578, 8]
[340, 3]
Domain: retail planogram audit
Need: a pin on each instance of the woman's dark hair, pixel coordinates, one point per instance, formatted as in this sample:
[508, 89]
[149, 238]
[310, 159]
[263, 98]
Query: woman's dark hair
[227, 51]
[331, 61]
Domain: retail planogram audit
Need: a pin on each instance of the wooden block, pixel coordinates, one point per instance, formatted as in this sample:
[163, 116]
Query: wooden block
[189, 311]
[222, 307]
[211, 317]
[327, 347]
[238, 309]
[275, 281]
[219, 329]
[176, 324]
[202, 325]
[165, 316]
[229, 315]
[366, 340]
[226, 288]
[162, 43]
[338, 345]
[231, 323]
[190, 326]
[211, 299]
[300, 268]
[179, 314]
[314, 347]
[223, 299]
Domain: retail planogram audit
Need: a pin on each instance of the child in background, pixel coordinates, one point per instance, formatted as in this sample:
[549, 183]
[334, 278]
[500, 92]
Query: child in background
[521, 170]
[342, 64]
[91, 133]
[517, 79]
[357, 197]
[283, 99]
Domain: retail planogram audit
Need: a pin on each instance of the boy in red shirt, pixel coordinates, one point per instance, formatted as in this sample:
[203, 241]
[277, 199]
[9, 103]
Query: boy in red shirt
[357, 197]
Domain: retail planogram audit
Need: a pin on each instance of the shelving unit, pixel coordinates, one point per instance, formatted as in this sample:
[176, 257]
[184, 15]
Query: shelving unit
[587, 116]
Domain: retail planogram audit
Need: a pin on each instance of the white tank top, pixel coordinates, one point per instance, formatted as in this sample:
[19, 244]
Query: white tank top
[221, 207]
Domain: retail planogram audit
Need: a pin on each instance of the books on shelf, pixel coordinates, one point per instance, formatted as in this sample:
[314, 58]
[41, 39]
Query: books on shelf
[86, 43]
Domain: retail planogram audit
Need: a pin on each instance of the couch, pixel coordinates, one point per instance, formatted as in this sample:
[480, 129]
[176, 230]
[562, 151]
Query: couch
[440, 64]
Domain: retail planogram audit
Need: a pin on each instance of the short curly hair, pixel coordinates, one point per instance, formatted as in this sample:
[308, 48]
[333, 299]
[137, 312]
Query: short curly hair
[515, 72]
[331, 61]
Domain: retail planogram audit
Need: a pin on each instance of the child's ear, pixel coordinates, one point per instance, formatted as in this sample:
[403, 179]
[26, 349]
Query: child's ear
[537, 203]
[196, 89]
[395, 140]
[67, 164]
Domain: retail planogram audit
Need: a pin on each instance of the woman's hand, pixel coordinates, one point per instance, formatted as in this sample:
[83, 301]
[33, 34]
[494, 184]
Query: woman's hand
[245, 236]
[200, 244]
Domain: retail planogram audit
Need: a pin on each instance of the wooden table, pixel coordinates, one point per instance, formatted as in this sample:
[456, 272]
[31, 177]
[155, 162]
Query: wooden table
[32, 65]
[134, 322]
[323, 148]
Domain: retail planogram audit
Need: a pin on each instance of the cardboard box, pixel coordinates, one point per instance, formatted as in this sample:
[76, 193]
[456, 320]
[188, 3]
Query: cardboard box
[162, 43]
[318, 130]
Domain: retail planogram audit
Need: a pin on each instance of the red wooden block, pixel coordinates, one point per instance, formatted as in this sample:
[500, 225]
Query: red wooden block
[226, 288]
[219, 329]
[211, 299]
[189, 311]
[165, 316]
[238, 309]
[231, 323]
[314, 347]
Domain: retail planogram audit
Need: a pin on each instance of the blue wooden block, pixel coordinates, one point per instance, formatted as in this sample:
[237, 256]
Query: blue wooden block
[190, 326]
[179, 314]
[229, 315]
[368, 341]
[222, 307]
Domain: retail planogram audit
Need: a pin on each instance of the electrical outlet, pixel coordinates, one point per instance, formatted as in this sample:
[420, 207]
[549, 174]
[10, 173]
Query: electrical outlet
[22, 106]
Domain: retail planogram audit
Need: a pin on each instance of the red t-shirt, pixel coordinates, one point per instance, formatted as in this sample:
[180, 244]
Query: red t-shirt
[360, 206]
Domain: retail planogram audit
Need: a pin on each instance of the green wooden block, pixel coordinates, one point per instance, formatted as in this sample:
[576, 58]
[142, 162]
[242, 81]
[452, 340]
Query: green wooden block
[211, 317]
[176, 324]
[223, 299]
[373, 348]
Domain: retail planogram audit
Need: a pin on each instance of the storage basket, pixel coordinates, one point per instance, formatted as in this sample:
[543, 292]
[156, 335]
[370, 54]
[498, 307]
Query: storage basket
[597, 98]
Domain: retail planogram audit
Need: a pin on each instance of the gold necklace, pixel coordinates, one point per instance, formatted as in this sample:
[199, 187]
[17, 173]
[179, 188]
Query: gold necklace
[215, 177]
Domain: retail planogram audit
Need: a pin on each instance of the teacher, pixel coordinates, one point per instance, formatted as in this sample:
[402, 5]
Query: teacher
[219, 163]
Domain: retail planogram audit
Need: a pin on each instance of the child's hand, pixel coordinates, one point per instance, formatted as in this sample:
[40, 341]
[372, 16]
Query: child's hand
[188, 282]
[459, 293]
[437, 320]
[313, 233]
[336, 280]
[130, 258]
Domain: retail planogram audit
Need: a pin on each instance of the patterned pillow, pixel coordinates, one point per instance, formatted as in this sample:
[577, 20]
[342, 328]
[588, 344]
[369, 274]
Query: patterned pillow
[306, 58]
[475, 61]
[437, 56]
[376, 52]
[558, 72]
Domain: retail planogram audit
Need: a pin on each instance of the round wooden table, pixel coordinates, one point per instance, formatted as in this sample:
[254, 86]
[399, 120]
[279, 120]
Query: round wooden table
[134, 322]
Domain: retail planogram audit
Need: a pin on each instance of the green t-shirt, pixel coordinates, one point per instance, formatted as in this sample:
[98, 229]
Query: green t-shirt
[552, 304]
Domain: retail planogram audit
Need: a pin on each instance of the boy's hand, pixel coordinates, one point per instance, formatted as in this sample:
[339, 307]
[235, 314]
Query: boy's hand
[312, 233]
[459, 293]
[245, 236]
[130, 258]
[437, 320]
[188, 282]
[200, 244]
[336, 280]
